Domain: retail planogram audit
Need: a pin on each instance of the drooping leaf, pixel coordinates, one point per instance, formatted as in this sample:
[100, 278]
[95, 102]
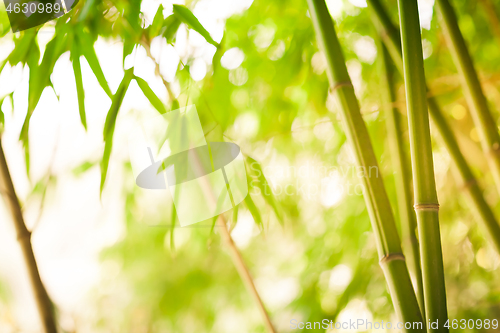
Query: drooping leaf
[109, 125]
[23, 45]
[266, 190]
[2, 116]
[250, 204]
[40, 74]
[132, 24]
[77, 69]
[87, 50]
[150, 95]
[186, 16]
[235, 217]
[171, 24]
[82, 168]
[157, 25]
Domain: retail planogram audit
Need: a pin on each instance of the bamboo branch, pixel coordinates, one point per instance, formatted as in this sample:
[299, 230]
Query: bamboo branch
[147, 46]
[474, 194]
[42, 299]
[426, 202]
[478, 105]
[243, 271]
[236, 257]
[402, 175]
[387, 239]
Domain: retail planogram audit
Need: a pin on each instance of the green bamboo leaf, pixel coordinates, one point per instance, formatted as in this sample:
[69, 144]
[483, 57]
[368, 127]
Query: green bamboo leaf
[234, 217]
[75, 54]
[266, 190]
[151, 96]
[157, 24]
[39, 77]
[250, 204]
[2, 116]
[23, 45]
[87, 50]
[109, 125]
[186, 16]
[171, 24]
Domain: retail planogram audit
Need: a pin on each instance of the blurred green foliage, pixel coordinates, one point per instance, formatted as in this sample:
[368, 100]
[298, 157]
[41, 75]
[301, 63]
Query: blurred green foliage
[165, 279]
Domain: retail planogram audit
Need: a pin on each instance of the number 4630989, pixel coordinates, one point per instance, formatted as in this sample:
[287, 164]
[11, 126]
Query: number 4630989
[33, 7]
[471, 323]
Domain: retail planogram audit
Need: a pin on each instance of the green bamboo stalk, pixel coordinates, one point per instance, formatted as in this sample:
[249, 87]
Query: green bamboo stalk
[478, 105]
[402, 174]
[424, 185]
[388, 243]
[42, 300]
[474, 194]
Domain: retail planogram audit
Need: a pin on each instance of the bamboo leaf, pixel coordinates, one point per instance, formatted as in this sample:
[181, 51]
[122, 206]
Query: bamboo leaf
[87, 50]
[39, 77]
[250, 204]
[186, 16]
[266, 190]
[157, 24]
[172, 24]
[150, 95]
[109, 125]
[2, 116]
[79, 83]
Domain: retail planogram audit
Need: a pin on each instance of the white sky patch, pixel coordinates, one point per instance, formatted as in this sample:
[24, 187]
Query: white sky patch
[359, 3]
[340, 277]
[243, 231]
[318, 62]
[425, 10]
[354, 69]
[335, 7]
[246, 125]
[354, 310]
[198, 69]
[332, 190]
[278, 293]
[365, 49]
[232, 58]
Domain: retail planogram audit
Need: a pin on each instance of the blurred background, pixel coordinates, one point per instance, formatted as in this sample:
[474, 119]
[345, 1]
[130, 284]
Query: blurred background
[115, 263]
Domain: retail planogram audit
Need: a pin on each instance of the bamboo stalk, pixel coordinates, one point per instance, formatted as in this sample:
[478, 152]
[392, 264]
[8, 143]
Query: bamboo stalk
[474, 194]
[402, 175]
[478, 105]
[388, 243]
[42, 299]
[424, 185]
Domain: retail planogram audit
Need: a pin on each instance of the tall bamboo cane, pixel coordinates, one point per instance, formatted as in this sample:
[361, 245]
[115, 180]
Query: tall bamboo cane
[387, 239]
[401, 174]
[474, 194]
[426, 202]
[42, 299]
[478, 105]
